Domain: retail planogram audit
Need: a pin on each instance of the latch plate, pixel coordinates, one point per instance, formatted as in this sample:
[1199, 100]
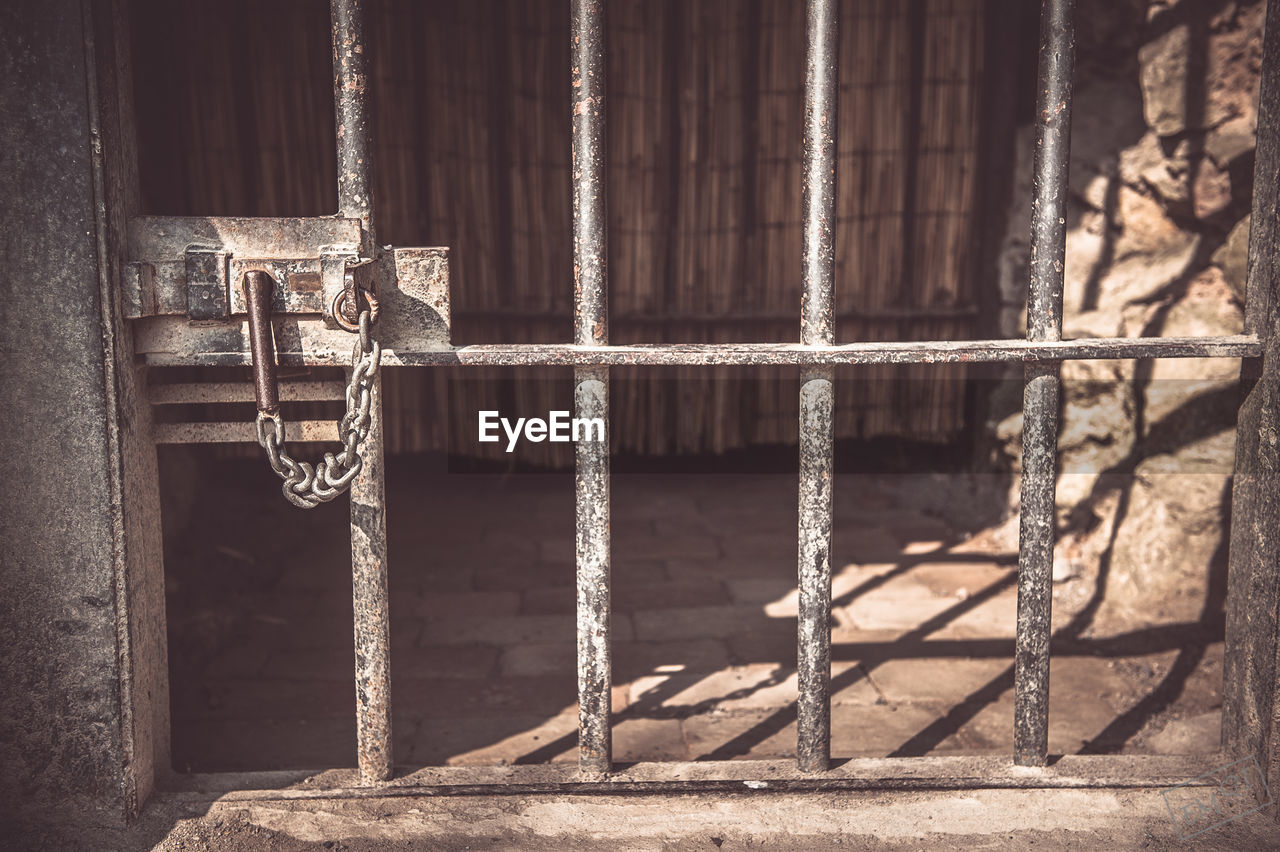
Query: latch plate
[181, 285]
[205, 270]
[188, 264]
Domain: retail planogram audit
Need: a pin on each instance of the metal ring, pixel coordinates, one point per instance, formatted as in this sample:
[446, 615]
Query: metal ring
[336, 304]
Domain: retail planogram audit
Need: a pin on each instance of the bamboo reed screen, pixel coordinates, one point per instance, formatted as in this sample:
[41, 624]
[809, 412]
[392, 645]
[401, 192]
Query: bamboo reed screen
[472, 146]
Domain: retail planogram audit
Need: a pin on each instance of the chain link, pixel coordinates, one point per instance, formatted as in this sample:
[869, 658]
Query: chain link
[307, 485]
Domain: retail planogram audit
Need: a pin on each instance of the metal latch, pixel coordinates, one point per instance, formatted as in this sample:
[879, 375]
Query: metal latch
[182, 282]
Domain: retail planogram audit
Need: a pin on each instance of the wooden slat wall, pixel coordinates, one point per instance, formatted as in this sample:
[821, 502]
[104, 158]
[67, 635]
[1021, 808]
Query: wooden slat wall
[472, 143]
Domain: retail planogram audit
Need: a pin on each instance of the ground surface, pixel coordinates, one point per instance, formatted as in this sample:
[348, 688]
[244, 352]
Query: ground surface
[704, 627]
[481, 582]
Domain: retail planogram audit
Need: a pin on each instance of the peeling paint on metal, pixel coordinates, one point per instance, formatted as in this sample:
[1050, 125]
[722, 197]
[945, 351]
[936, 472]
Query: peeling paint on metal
[817, 435]
[368, 497]
[1042, 386]
[591, 392]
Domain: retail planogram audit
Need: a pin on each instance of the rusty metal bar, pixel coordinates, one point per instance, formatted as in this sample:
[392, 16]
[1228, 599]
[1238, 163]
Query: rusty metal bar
[591, 391]
[884, 315]
[314, 346]
[258, 289]
[1251, 667]
[368, 497]
[817, 433]
[819, 189]
[595, 670]
[351, 112]
[590, 245]
[1035, 561]
[871, 774]
[1042, 385]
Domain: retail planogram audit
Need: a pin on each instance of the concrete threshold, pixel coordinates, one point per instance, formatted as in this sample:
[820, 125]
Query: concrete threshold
[1110, 818]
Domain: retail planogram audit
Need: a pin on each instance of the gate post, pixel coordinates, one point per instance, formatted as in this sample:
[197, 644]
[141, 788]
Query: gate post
[84, 702]
[1251, 696]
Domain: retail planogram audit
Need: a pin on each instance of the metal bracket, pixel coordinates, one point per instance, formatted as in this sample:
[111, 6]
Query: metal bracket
[180, 284]
[207, 283]
[335, 262]
[186, 265]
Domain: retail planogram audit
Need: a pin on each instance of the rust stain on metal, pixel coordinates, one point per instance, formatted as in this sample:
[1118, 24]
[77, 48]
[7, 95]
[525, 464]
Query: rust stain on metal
[1041, 387]
[813, 638]
[368, 513]
[593, 576]
[591, 391]
[172, 341]
[258, 290]
[817, 405]
[305, 282]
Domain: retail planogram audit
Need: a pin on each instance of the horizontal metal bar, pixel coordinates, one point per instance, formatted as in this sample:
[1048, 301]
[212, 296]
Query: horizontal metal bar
[743, 776]
[633, 318]
[181, 393]
[325, 350]
[245, 432]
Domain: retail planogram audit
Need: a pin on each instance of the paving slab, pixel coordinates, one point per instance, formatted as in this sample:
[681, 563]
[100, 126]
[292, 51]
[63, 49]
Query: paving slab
[513, 630]
[749, 687]
[631, 659]
[706, 621]
[948, 682]
[484, 654]
[429, 605]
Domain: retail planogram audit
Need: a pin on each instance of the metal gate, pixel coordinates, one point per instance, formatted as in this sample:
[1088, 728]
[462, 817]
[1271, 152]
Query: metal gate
[182, 288]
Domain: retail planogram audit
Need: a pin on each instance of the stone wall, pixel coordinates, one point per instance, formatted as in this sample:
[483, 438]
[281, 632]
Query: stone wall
[1161, 178]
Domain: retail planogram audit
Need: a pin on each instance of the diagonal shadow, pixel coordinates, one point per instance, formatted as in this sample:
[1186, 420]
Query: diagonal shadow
[907, 562]
[652, 704]
[778, 720]
[1163, 437]
[1212, 620]
[1163, 637]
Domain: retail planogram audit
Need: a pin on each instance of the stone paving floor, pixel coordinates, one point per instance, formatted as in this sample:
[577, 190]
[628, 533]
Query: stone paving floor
[482, 598]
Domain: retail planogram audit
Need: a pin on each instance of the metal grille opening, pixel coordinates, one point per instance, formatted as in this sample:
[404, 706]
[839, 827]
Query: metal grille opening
[815, 357]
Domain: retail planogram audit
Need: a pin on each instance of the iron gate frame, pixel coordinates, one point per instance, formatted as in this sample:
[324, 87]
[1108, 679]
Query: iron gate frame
[1250, 690]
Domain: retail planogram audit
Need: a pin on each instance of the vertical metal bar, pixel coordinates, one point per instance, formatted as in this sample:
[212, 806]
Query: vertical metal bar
[368, 509]
[1251, 666]
[351, 108]
[591, 391]
[1053, 148]
[813, 640]
[1041, 387]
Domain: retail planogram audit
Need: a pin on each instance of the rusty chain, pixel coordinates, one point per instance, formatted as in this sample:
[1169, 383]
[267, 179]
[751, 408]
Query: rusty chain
[306, 485]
